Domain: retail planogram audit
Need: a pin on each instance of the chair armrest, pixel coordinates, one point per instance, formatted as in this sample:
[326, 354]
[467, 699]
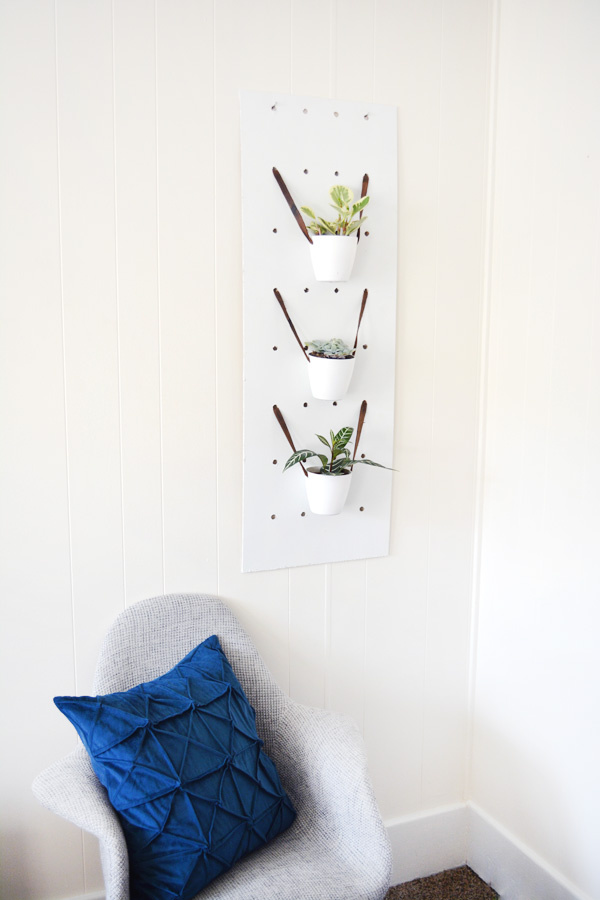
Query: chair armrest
[322, 762]
[71, 789]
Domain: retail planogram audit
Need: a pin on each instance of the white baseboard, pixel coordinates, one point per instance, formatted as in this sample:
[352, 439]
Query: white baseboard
[428, 842]
[512, 868]
[454, 835]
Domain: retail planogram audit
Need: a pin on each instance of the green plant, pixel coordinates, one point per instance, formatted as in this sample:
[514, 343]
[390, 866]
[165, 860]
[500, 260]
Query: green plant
[335, 348]
[346, 209]
[339, 461]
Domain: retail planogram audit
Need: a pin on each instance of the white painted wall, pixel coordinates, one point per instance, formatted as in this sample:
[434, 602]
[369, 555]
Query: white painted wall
[537, 732]
[120, 349]
[120, 391]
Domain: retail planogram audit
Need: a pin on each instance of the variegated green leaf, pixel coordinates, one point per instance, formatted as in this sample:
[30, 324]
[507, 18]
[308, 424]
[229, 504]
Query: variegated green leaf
[354, 226]
[343, 436]
[341, 195]
[299, 456]
[369, 462]
[359, 205]
[308, 212]
[324, 440]
[327, 227]
[340, 464]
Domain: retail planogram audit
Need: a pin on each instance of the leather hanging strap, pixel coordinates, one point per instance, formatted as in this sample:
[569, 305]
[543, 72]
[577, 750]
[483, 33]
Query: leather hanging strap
[359, 427]
[290, 323]
[362, 309]
[363, 193]
[285, 430]
[292, 205]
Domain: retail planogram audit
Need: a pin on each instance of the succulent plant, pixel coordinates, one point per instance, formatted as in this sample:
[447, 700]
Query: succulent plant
[335, 348]
[343, 203]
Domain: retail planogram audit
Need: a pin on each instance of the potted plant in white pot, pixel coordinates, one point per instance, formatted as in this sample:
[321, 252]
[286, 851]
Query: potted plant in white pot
[331, 368]
[328, 484]
[333, 246]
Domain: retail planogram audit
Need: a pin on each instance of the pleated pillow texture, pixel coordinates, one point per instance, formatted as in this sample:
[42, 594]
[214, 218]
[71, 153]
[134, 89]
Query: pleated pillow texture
[184, 768]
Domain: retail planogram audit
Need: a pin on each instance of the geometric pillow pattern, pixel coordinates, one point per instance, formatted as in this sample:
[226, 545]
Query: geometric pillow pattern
[184, 768]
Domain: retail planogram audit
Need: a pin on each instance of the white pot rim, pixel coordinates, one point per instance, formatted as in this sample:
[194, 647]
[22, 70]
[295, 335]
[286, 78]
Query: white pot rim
[316, 470]
[335, 359]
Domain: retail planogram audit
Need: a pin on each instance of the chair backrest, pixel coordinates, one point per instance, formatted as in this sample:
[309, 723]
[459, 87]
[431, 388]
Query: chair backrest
[151, 636]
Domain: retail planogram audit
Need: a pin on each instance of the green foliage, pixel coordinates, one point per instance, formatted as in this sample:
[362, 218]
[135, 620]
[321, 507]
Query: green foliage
[339, 461]
[335, 348]
[346, 209]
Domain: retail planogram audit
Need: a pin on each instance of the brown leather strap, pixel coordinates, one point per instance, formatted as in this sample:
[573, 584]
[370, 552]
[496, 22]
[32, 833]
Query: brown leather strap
[285, 430]
[290, 323]
[361, 422]
[363, 193]
[292, 205]
[362, 309]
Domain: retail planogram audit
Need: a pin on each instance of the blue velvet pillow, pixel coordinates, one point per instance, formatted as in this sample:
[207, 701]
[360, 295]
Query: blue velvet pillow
[184, 769]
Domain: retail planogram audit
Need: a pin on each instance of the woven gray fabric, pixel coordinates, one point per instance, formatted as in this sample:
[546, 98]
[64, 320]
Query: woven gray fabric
[337, 849]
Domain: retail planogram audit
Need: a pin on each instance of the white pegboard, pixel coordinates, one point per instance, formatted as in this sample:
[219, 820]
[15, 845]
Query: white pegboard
[314, 144]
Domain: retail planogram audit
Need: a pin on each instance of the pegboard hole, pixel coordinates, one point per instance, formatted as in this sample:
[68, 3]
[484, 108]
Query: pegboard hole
[302, 513]
[362, 456]
[336, 114]
[274, 348]
[366, 234]
[366, 116]
[304, 111]
[362, 509]
[274, 462]
[336, 174]
[365, 346]
[306, 290]
[305, 404]
[273, 516]
[336, 290]
[306, 171]
[274, 231]
[335, 402]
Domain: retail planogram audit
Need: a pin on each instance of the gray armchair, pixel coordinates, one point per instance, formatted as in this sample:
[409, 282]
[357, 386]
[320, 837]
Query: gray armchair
[337, 848]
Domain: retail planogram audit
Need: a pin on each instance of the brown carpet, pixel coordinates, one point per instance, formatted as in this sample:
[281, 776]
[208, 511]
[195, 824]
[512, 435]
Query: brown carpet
[455, 884]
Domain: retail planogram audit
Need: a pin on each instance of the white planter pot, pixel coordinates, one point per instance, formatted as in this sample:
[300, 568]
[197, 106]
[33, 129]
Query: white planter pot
[332, 256]
[326, 493]
[329, 378]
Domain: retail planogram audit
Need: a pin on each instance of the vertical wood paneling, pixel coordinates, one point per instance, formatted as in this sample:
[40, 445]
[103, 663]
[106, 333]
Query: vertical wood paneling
[137, 295]
[536, 747]
[407, 72]
[186, 202]
[35, 576]
[455, 414]
[87, 197]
